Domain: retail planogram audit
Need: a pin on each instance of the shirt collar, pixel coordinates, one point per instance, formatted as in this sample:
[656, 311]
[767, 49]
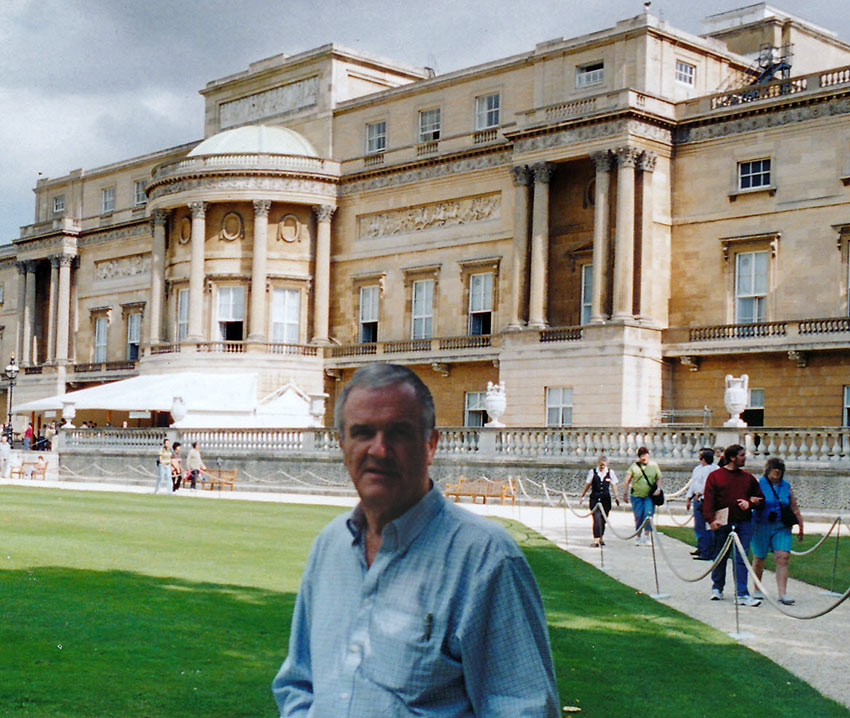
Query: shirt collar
[399, 533]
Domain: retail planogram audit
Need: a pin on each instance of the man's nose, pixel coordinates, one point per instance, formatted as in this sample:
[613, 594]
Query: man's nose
[378, 445]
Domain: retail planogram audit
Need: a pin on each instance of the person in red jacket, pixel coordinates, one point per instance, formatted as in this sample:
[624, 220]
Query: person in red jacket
[728, 501]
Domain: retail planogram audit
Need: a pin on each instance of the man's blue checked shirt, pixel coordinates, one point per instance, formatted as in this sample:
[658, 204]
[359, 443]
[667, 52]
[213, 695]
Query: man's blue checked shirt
[447, 621]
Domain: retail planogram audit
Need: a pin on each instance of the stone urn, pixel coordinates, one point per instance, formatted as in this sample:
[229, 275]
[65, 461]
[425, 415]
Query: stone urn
[495, 403]
[69, 411]
[735, 399]
[178, 409]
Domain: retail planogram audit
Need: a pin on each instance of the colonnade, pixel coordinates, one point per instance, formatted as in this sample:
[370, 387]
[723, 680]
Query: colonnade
[58, 312]
[530, 285]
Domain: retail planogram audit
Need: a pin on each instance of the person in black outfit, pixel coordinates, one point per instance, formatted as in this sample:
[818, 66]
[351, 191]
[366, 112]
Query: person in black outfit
[600, 481]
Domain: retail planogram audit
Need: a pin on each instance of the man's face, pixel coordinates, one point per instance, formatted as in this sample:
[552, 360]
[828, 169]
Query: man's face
[384, 448]
[739, 459]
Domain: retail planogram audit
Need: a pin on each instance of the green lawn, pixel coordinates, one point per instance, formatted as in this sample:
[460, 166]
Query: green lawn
[141, 605]
[815, 568]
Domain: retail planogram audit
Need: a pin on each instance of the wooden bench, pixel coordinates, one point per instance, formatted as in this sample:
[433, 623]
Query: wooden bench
[28, 469]
[481, 489]
[217, 478]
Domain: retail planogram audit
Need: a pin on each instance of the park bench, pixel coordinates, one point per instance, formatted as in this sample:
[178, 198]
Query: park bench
[481, 488]
[28, 469]
[217, 478]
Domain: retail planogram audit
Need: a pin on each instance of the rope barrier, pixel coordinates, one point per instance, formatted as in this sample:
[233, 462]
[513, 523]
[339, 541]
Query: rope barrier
[818, 544]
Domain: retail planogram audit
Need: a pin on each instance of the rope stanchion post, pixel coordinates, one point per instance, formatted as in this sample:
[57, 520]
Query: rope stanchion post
[657, 595]
[832, 591]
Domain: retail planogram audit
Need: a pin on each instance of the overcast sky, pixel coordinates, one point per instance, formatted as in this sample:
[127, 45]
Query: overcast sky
[88, 82]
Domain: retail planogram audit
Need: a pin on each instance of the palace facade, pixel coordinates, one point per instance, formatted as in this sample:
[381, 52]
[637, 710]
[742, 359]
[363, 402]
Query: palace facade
[607, 224]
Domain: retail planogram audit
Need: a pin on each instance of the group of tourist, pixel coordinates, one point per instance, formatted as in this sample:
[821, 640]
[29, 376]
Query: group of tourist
[723, 498]
[171, 474]
[32, 438]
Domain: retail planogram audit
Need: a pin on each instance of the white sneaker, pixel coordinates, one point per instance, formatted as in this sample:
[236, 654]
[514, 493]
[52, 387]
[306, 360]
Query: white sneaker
[716, 594]
[785, 601]
[639, 541]
[747, 601]
[757, 594]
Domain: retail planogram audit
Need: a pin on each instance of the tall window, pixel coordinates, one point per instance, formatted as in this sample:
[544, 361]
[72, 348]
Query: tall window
[559, 406]
[286, 314]
[429, 125]
[369, 313]
[182, 314]
[685, 72]
[846, 406]
[423, 309]
[100, 328]
[753, 174]
[376, 137]
[474, 413]
[140, 199]
[59, 204]
[231, 312]
[751, 282]
[586, 292]
[754, 413]
[134, 335]
[487, 111]
[592, 74]
[480, 303]
[107, 200]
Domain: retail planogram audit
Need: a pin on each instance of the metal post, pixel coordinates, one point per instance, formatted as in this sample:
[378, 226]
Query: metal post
[657, 593]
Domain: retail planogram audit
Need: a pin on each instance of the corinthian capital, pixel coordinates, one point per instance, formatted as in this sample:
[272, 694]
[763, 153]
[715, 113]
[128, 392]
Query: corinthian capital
[324, 212]
[521, 175]
[646, 162]
[542, 171]
[198, 209]
[262, 207]
[159, 217]
[601, 160]
[627, 156]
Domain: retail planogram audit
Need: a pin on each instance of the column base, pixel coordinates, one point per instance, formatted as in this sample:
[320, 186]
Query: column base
[517, 326]
[538, 325]
[321, 341]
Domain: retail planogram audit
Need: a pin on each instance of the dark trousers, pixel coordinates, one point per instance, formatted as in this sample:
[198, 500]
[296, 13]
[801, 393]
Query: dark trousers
[193, 477]
[598, 516]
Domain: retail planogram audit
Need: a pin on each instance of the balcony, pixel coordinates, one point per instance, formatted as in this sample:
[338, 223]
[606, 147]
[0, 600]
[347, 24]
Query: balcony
[234, 347]
[104, 371]
[245, 162]
[791, 335]
[482, 347]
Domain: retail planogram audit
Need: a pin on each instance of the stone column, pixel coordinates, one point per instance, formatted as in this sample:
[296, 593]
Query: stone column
[196, 273]
[51, 309]
[257, 311]
[63, 308]
[159, 220]
[321, 306]
[22, 303]
[646, 164]
[539, 246]
[519, 290]
[29, 313]
[602, 163]
[624, 241]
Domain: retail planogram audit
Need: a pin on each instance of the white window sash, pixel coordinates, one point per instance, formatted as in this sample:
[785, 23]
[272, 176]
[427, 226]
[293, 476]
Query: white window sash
[481, 292]
[134, 327]
[429, 125]
[376, 137]
[100, 339]
[487, 110]
[559, 406]
[423, 309]
[231, 304]
[368, 304]
[286, 315]
[182, 314]
[586, 292]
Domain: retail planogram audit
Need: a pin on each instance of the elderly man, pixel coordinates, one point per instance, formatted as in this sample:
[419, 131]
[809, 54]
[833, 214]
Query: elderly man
[410, 605]
[696, 488]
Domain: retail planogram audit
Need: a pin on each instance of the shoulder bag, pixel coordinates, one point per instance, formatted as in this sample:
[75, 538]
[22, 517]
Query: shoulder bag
[786, 515]
[657, 499]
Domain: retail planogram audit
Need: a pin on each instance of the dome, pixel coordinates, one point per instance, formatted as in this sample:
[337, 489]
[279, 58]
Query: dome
[256, 138]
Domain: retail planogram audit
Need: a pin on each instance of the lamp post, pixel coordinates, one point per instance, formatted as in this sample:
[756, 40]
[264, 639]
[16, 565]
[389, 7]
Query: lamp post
[11, 373]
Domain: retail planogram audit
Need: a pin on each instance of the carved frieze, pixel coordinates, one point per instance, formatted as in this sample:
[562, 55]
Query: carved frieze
[121, 267]
[122, 233]
[273, 184]
[582, 133]
[429, 216]
[287, 98]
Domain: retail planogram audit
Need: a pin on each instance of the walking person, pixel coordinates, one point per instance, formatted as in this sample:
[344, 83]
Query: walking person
[163, 466]
[194, 464]
[5, 456]
[694, 495]
[771, 526]
[730, 496]
[600, 481]
[28, 432]
[640, 478]
[176, 467]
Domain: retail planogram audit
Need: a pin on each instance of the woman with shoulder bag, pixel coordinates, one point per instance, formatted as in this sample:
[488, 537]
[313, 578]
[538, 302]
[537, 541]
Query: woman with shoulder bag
[772, 522]
[644, 478]
[600, 481]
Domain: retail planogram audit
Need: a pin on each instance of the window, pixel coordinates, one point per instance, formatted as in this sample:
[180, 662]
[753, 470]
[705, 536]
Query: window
[474, 413]
[182, 314]
[592, 74]
[140, 199]
[286, 315]
[134, 334]
[107, 200]
[753, 415]
[685, 73]
[586, 292]
[422, 313]
[101, 324]
[231, 312]
[559, 406]
[376, 137]
[487, 111]
[846, 406]
[754, 174]
[751, 270]
[59, 204]
[429, 125]
[369, 314]
[480, 303]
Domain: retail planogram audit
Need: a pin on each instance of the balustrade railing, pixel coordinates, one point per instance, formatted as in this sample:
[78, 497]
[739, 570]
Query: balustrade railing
[103, 438]
[561, 334]
[738, 331]
[806, 446]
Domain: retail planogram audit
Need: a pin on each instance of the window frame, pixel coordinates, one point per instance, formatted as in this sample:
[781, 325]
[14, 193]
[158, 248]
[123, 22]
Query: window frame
[473, 405]
[586, 293]
[134, 335]
[760, 299]
[182, 314]
[107, 200]
[681, 72]
[140, 199]
[368, 313]
[590, 74]
[100, 345]
[286, 330]
[482, 114]
[59, 204]
[746, 172]
[379, 138]
[555, 402]
[486, 308]
[422, 314]
[846, 411]
[234, 317]
[433, 131]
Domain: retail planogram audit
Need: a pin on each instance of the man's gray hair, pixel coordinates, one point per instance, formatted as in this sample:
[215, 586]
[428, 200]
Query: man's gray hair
[376, 376]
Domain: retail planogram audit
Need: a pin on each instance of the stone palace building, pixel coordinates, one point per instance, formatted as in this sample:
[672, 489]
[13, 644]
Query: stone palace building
[608, 224]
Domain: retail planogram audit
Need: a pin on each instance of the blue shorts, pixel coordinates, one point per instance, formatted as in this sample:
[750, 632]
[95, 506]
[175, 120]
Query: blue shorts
[773, 536]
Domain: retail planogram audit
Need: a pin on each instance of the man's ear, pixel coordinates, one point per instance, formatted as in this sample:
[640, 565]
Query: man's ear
[431, 447]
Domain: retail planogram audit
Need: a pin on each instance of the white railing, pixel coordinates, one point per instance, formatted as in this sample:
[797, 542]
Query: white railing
[806, 446]
[244, 160]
